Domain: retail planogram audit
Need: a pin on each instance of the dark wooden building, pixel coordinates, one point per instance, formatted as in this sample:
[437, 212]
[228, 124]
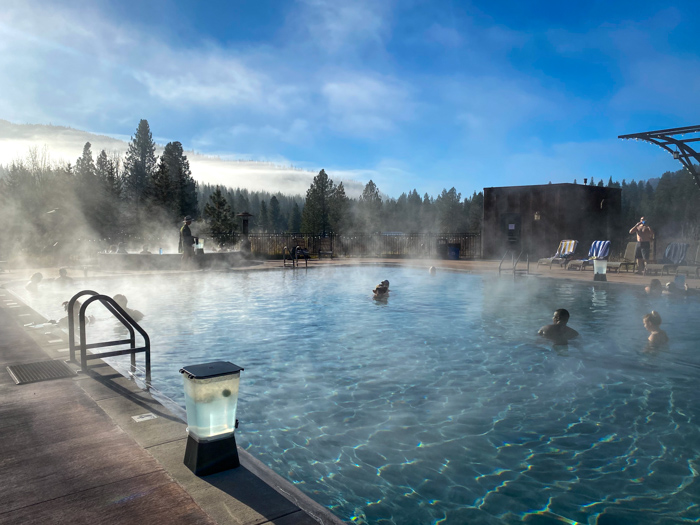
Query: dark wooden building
[534, 219]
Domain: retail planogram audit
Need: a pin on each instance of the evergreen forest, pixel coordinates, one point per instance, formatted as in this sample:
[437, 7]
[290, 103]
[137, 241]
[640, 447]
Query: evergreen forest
[103, 199]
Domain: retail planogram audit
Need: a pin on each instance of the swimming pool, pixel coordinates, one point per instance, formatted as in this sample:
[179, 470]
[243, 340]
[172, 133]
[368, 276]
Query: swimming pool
[441, 405]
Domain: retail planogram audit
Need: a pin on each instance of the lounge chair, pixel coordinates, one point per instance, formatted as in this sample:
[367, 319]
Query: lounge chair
[598, 250]
[626, 261]
[673, 257]
[691, 265]
[564, 254]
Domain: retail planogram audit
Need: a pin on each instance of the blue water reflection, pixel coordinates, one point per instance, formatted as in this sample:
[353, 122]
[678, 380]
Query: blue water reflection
[440, 405]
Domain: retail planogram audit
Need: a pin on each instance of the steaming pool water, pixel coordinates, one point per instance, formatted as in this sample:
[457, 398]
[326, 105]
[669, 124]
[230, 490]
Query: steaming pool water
[439, 405]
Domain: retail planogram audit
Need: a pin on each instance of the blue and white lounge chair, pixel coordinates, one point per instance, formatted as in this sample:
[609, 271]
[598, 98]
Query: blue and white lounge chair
[673, 258]
[564, 254]
[599, 250]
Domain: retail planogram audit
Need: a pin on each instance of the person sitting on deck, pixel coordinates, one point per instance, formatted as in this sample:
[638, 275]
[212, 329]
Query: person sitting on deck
[654, 287]
[145, 250]
[558, 332]
[33, 284]
[122, 301]
[652, 323]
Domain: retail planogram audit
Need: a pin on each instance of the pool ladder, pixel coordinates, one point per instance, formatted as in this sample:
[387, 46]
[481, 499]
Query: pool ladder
[123, 317]
[294, 257]
[514, 263]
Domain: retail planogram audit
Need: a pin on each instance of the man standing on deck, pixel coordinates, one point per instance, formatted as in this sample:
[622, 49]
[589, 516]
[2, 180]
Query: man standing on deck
[186, 240]
[644, 236]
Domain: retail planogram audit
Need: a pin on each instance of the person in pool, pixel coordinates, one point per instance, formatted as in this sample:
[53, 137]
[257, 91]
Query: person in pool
[63, 322]
[558, 332]
[63, 277]
[652, 322]
[654, 288]
[381, 291]
[672, 289]
[33, 285]
[122, 301]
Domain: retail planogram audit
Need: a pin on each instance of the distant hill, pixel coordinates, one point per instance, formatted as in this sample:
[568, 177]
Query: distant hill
[66, 145]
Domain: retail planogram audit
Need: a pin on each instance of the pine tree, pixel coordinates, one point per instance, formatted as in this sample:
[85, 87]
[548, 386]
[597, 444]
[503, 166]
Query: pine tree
[339, 216]
[449, 209]
[370, 208]
[315, 218]
[263, 219]
[294, 225]
[274, 215]
[220, 217]
[160, 191]
[140, 163]
[85, 165]
[184, 194]
[90, 191]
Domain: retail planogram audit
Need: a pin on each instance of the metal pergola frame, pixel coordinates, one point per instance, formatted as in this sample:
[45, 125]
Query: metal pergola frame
[667, 138]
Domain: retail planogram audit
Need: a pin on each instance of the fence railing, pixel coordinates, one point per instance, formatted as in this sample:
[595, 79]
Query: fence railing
[428, 245]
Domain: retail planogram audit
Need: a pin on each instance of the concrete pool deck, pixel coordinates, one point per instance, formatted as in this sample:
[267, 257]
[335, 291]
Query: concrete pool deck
[72, 450]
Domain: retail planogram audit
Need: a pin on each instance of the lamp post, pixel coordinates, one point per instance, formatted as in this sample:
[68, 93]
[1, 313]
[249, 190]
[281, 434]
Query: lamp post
[600, 267]
[211, 399]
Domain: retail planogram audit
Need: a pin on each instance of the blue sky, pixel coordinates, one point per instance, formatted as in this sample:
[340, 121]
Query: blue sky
[412, 94]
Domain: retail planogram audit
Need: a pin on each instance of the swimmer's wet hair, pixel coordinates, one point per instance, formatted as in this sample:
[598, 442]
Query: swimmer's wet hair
[563, 314]
[653, 318]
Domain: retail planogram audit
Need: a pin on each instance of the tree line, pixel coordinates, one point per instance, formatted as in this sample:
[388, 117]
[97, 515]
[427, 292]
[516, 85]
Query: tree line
[106, 199]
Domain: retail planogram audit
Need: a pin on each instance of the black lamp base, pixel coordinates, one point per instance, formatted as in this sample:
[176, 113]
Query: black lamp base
[209, 457]
[599, 277]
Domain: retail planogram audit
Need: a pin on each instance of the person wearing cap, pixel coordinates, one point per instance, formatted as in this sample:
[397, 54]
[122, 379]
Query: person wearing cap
[186, 247]
[644, 236]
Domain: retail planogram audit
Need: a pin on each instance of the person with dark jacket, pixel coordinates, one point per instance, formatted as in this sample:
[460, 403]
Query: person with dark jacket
[186, 247]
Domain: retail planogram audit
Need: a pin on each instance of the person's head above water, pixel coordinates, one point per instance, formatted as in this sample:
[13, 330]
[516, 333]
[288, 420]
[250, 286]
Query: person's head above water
[121, 300]
[561, 316]
[652, 320]
[63, 272]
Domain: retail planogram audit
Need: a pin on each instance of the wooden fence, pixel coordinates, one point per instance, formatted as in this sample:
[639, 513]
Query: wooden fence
[426, 245]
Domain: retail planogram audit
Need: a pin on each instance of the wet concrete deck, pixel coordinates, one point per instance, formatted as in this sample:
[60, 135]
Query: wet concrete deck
[72, 452]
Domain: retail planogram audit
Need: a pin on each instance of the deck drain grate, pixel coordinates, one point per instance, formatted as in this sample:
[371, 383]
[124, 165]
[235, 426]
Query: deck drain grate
[41, 371]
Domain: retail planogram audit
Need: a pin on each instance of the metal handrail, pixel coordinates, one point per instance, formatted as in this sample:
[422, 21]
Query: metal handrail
[501, 263]
[514, 261]
[123, 317]
[293, 257]
[515, 264]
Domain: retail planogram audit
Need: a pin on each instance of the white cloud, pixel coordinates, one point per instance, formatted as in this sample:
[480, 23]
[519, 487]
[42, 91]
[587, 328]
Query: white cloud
[362, 105]
[336, 27]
